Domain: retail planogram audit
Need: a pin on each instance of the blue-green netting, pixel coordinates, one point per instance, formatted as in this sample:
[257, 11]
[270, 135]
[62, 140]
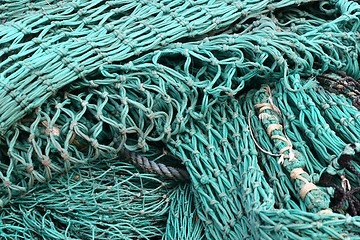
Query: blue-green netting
[185, 119]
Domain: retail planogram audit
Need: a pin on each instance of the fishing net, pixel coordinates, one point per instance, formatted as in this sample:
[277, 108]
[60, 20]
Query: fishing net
[97, 201]
[179, 119]
[98, 33]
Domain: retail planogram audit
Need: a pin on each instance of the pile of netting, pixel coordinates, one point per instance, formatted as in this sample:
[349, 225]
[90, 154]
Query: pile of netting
[162, 119]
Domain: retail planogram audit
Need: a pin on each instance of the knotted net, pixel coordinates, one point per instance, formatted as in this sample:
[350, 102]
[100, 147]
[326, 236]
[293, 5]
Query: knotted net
[107, 106]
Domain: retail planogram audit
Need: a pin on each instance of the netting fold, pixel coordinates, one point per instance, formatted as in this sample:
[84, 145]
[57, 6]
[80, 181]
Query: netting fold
[181, 119]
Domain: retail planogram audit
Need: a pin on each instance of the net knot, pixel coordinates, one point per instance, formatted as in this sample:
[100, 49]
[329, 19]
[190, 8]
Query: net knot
[29, 168]
[84, 103]
[128, 66]
[204, 179]
[224, 141]
[109, 27]
[46, 162]
[178, 143]
[271, 7]
[190, 83]
[214, 61]
[318, 224]
[141, 143]
[245, 152]
[61, 52]
[165, 9]
[195, 153]
[21, 28]
[73, 125]
[31, 138]
[167, 130]
[58, 106]
[74, 5]
[124, 100]
[141, 87]
[81, 12]
[36, 40]
[44, 46]
[348, 219]
[123, 130]
[278, 227]
[104, 94]
[65, 156]
[95, 144]
[7, 183]
[151, 115]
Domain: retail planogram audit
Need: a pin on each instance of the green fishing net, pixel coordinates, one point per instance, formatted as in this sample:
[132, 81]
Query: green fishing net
[184, 119]
[97, 201]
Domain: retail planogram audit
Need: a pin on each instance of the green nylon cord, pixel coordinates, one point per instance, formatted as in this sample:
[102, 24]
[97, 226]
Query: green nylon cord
[103, 200]
[173, 84]
[183, 221]
[79, 53]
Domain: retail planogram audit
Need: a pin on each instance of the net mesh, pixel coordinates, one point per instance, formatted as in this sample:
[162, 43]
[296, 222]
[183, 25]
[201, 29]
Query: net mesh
[179, 119]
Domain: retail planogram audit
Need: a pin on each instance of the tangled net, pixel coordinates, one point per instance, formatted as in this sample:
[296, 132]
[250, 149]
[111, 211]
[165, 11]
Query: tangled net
[179, 119]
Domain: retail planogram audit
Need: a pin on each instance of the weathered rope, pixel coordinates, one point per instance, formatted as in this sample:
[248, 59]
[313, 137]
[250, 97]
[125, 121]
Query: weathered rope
[156, 168]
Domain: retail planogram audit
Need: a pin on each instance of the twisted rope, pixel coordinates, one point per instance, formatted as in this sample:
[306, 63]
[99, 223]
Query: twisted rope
[153, 167]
